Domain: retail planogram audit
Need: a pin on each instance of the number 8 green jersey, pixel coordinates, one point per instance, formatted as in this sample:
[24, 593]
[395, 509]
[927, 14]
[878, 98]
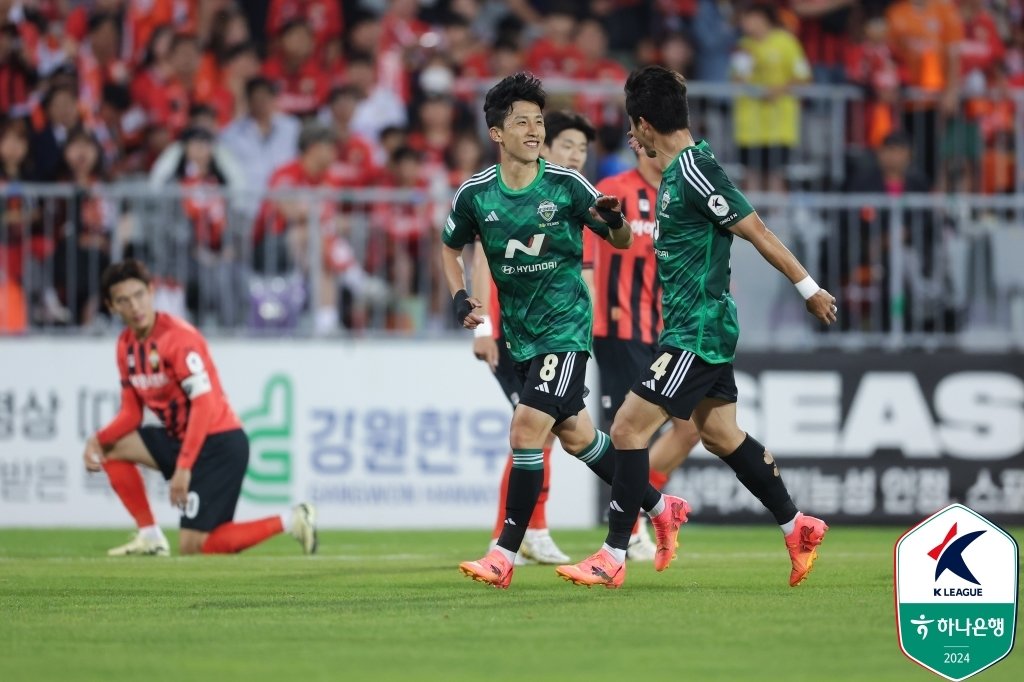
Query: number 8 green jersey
[697, 203]
[533, 239]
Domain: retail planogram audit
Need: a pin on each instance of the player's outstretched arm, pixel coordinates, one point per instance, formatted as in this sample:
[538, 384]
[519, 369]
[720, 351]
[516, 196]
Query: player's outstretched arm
[484, 346]
[820, 303]
[608, 210]
[455, 276]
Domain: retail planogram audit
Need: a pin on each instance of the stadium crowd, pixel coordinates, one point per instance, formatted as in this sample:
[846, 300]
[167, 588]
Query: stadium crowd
[349, 94]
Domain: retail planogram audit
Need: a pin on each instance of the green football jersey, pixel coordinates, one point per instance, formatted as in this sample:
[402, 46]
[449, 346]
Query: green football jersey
[533, 239]
[697, 203]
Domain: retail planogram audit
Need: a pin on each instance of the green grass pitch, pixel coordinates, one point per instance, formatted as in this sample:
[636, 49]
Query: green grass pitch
[393, 606]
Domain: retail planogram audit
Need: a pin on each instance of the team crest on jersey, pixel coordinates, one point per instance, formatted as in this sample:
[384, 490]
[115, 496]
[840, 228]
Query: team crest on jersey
[547, 210]
[665, 198]
[154, 359]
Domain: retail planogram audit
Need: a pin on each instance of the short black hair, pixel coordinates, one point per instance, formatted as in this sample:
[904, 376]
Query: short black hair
[557, 122]
[259, 83]
[659, 96]
[197, 109]
[115, 273]
[520, 87]
[765, 9]
[117, 96]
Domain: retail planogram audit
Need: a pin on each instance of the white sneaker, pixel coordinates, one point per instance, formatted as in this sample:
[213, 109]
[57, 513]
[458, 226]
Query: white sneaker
[304, 527]
[140, 546]
[520, 559]
[538, 545]
[641, 546]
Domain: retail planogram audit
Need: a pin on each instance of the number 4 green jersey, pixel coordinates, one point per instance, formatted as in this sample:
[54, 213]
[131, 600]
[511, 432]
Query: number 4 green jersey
[697, 203]
[533, 239]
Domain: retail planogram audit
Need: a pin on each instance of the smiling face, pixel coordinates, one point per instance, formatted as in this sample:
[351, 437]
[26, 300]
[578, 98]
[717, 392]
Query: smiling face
[521, 135]
[568, 149]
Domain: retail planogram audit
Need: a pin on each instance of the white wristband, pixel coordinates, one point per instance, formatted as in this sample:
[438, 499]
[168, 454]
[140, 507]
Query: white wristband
[484, 329]
[807, 287]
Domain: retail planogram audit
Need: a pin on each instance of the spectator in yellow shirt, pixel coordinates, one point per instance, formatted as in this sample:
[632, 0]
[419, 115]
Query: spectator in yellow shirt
[767, 119]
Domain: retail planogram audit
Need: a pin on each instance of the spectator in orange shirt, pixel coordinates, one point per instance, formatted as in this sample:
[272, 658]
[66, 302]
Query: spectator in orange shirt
[925, 36]
[300, 79]
[554, 54]
[980, 52]
[870, 63]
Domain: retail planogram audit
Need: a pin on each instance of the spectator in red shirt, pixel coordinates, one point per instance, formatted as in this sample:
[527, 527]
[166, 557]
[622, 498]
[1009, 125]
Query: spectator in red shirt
[355, 164]
[400, 241]
[300, 79]
[595, 65]
[1015, 56]
[17, 76]
[400, 27]
[219, 281]
[229, 31]
[285, 222]
[21, 221]
[98, 60]
[824, 33]
[164, 91]
[324, 18]
[554, 54]
[434, 130]
[464, 158]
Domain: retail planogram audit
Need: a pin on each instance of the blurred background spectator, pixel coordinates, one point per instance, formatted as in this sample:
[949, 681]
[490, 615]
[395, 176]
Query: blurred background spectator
[355, 96]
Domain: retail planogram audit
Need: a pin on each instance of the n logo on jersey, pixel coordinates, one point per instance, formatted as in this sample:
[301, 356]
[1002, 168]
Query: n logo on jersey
[535, 247]
[718, 205]
[547, 210]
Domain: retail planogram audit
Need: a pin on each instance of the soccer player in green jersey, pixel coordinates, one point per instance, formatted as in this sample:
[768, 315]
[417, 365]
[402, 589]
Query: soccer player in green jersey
[699, 212]
[529, 216]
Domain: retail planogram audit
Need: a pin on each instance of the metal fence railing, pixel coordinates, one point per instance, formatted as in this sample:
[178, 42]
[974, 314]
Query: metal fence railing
[922, 270]
[814, 137]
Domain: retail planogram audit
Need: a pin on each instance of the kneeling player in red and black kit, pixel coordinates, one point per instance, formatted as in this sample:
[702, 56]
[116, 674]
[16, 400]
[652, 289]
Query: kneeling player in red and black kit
[201, 448]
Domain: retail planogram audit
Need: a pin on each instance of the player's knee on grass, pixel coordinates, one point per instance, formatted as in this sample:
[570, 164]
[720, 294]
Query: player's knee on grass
[191, 542]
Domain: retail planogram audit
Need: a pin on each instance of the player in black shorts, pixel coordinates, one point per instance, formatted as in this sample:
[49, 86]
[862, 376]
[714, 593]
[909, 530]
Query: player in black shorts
[200, 447]
[699, 211]
[568, 138]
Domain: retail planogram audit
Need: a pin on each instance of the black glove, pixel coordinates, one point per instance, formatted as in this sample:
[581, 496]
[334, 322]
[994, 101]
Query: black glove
[461, 305]
[613, 218]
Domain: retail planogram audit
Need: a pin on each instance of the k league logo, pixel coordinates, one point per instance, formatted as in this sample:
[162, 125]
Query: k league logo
[956, 592]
